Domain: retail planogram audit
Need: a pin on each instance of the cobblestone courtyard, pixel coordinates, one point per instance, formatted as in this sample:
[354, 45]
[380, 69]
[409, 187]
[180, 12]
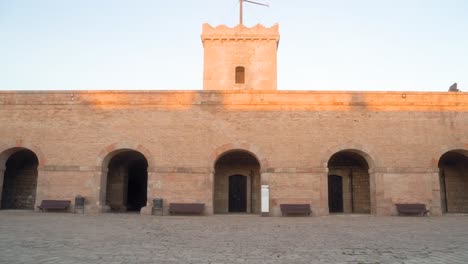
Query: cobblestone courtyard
[28, 237]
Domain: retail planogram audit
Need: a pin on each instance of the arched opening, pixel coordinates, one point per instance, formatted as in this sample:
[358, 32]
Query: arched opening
[19, 180]
[453, 172]
[237, 183]
[127, 180]
[348, 183]
[240, 75]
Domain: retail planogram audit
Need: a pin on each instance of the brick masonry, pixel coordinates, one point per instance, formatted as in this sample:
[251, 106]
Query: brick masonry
[292, 134]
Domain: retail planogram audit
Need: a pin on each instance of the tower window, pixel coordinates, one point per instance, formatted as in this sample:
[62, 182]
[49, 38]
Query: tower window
[240, 75]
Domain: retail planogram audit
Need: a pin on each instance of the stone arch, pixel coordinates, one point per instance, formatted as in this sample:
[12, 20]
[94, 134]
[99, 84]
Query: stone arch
[367, 153]
[236, 183]
[7, 149]
[457, 147]
[103, 161]
[108, 152]
[19, 171]
[249, 148]
[453, 180]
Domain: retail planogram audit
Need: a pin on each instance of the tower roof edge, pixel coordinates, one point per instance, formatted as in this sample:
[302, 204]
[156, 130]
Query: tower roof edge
[240, 31]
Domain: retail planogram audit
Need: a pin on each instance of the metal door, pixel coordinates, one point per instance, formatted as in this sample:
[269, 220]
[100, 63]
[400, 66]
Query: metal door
[237, 193]
[335, 194]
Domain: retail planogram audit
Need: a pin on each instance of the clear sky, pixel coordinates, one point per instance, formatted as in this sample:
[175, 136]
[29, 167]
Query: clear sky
[390, 45]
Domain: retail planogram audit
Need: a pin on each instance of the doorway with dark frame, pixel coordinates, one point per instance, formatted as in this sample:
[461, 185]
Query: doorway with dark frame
[335, 194]
[237, 194]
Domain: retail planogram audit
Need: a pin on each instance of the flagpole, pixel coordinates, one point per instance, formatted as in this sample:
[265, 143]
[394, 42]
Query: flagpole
[241, 12]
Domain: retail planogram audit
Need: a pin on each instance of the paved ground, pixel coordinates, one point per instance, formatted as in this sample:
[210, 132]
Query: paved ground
[28, 237]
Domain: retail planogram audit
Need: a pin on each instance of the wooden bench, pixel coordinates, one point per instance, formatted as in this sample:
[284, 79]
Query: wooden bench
[186, 208]
[411, 209]
[295, 209]
[54, 205]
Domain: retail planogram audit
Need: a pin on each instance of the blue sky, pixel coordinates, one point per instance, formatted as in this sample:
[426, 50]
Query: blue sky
[384, 45]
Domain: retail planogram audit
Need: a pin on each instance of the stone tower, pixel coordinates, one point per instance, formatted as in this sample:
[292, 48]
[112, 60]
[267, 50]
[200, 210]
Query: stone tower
[240, 58]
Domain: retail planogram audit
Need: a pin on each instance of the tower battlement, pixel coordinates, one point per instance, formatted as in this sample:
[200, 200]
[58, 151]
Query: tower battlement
[240, 32]
[240, 58]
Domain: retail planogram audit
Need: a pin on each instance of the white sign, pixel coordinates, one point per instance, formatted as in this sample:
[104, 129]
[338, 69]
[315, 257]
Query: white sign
[265, 199]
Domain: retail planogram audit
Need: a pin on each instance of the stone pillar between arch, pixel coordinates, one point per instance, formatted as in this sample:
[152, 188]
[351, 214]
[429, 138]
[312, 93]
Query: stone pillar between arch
[2, 175]
[41, 187]
[380, 206]
[154, 190]
[323, 209]
[298, 186]
[405, 185]
[101, 188]
[436, 207]
[211, 182]
[179, 185]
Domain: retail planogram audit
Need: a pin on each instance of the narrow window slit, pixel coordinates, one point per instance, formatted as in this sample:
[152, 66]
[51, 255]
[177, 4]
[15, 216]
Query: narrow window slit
[240, 75]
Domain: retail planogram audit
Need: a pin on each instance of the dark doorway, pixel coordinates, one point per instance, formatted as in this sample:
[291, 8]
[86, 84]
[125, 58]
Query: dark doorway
[20, 181]
[127, 179]
[137, 189]
[335, 194]
[237, 193]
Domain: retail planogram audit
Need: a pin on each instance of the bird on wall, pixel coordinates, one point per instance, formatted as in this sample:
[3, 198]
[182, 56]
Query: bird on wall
[454, 88]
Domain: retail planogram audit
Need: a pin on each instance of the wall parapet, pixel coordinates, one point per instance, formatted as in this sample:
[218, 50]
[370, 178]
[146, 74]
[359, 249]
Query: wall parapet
[240, 32]
[252, 100]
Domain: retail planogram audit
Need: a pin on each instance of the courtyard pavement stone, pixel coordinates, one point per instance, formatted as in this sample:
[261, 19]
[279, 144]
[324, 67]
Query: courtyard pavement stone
[46, 238]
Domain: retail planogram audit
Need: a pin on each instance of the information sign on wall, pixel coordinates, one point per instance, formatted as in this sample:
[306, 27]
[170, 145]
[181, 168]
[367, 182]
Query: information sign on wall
[265, 200]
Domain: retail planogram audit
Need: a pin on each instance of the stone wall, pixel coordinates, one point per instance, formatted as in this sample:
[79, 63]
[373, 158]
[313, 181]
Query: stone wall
[293, 186]
[293, 134]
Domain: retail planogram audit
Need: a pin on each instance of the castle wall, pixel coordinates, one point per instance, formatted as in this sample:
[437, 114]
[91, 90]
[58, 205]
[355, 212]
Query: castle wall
[293, 135]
